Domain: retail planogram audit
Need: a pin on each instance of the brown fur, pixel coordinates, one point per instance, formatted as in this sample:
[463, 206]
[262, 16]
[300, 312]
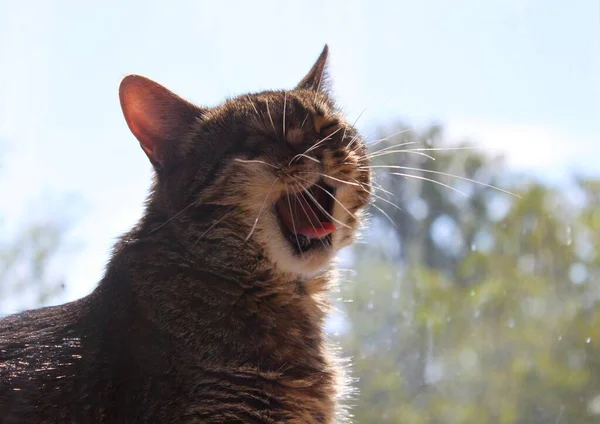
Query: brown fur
[205, 314]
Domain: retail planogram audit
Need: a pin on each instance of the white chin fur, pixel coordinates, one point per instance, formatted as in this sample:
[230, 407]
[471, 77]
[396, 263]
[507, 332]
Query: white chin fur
[283, 256]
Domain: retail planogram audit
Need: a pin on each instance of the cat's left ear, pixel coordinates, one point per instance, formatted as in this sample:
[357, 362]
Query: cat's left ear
[157, 117]
[316, 79]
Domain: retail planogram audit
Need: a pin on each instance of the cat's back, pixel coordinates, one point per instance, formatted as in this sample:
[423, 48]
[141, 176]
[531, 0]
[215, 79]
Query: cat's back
[40, 357]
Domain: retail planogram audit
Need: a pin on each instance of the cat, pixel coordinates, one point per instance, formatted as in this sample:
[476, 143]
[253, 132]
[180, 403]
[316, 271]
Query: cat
[212, 308]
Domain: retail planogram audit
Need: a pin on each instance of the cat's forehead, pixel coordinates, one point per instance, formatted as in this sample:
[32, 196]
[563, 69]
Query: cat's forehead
[297, 110]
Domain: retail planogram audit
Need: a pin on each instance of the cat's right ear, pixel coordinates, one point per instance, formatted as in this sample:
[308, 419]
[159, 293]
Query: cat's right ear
[317, 77]
[157, 117]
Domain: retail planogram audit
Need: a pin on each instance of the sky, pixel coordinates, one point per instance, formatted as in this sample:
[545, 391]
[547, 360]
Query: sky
[519, 77]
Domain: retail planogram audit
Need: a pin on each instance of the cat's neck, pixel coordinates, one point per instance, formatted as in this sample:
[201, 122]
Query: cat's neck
[182, 290]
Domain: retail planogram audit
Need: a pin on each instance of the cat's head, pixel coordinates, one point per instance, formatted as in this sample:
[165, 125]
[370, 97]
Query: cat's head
[283, 169]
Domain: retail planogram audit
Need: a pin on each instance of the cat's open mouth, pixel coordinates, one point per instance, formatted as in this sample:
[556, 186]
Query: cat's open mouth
[306, 217]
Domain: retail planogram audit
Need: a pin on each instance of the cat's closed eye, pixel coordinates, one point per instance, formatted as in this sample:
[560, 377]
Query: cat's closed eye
[329, 127]
[325, 126]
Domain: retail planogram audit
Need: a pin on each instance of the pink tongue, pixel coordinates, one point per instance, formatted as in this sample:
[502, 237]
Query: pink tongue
[319, 231]
[303, 217]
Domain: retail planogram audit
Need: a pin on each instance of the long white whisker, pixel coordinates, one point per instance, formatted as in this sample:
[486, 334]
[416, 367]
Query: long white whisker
[306, 214]
[323, 209]
[318, 143]
[350, 143]
[375, 142]
[331, 178]
[357, 184]
[304, 121]
[261, 209]
[213, 225]
[256, 161]
[293, 223]
[414, 152]
[367, 156]
[307, 157]
[419, 177]
[271, 118]
[353, 125]
[318, 90]
[379, 187]
[252, 104]
[314, 146]
[284, 106]
[443, 173]
[385, 149]
[330, 195]
[387, 201]
[385, 214]
[172, 218]
[432, 149]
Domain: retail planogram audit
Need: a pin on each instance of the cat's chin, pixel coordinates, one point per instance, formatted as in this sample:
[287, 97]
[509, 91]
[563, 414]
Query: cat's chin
[306, 264]
[297, 254]
[303, 234]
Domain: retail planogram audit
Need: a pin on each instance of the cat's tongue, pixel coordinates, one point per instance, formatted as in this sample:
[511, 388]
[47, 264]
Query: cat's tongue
[301, 215]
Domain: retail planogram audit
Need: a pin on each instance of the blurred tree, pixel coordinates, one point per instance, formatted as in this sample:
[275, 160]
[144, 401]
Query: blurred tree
[26, 256]
[483, 307]
[25, 278]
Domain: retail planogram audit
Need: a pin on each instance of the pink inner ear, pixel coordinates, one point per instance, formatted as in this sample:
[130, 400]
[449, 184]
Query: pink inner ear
[140, 99]
[154, 114]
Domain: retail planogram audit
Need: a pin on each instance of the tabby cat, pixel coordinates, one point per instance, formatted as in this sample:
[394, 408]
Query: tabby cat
[212, 307]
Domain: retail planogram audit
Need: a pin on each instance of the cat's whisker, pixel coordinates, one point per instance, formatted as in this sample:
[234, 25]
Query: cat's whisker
[332, 196]
[353, 125]
[419, 177]
[314, 146]
[318, 143]
[442, 173]
[306, 214]
[213, 225]
[261, 209]
[293, 221]
[323, 209]
[376, 142]
[253, 107]
[359, 184]
[432, 149]
[271, 118]
[318, 90]
[356, 183]
[414, 152]
[304, 121]
[331, 178]
[383, 152]
[172, 218]
[385, 214]
[284, 107]
[307, 157]
[257, 161]
[349, 145]
[385, 149]
[379, 187]
[387, 201]
[372, 193]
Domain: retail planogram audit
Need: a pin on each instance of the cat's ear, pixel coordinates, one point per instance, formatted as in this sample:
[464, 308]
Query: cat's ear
[157, 117]
[316, 79]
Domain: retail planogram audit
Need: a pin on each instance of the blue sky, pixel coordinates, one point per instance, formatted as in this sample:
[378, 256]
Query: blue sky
[522, 77]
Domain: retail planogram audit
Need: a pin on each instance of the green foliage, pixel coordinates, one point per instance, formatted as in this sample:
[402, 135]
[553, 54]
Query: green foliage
[25, 276]
[488, 312]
